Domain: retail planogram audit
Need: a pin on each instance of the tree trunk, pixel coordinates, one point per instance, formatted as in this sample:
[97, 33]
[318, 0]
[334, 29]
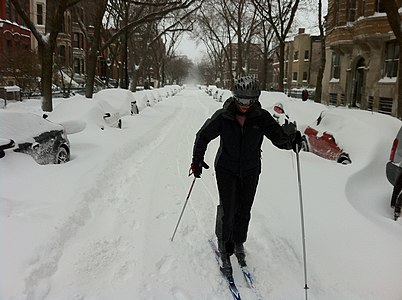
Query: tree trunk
[400, 82]
[281, 65]
[320, 75]
[94, 49]
[47, 75]
[91, 70]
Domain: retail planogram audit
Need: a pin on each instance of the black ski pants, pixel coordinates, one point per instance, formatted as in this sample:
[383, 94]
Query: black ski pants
[236, 196]
[396, 199]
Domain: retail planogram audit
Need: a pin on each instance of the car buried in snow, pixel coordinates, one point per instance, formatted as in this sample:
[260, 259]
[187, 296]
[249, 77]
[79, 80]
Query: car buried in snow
[320, 140]
[31, 134]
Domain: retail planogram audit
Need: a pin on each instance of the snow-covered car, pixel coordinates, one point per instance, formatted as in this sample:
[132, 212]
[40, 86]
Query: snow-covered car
[45, 141]
[394, 165]
[224, 95]
[320, 140]
[278, 113]
[215, 94]
[93, 112]
[211, 89]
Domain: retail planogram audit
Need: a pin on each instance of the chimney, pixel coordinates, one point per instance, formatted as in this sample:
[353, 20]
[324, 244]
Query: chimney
[301, 30]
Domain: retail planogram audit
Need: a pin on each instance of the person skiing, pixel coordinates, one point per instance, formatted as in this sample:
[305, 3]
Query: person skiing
[241, 125]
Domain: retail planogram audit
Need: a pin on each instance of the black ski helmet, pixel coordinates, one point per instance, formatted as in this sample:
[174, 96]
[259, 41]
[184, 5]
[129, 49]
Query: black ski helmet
[246, 87]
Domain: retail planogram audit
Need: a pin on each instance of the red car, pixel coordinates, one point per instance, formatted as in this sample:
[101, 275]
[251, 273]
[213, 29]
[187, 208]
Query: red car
[323, 145]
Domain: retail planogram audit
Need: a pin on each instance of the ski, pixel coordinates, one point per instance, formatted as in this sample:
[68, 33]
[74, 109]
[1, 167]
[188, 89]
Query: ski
[248, 276]
[230, 280]
[397, 213]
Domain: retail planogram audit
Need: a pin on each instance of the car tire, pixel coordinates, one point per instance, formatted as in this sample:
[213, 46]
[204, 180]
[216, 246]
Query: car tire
[344, 159]
[304, 144]
[62, 155]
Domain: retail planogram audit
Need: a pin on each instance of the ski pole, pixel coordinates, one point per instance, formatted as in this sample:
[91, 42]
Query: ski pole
[302, 221]
[184, 207]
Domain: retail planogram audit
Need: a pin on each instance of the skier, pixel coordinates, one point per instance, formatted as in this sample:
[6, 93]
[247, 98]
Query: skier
[241, 125]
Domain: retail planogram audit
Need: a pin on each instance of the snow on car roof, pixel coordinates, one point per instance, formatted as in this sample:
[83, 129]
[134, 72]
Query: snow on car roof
[23, 126]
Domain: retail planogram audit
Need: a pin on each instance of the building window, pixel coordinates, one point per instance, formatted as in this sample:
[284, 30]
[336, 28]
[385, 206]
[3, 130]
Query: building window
[62, 54]
[306, 55]
[379, 7]
[335, 66]
[351, 10]
[77, 65]
[296, 55]
[362, 8]
[304, 76]
[336, 13]
[39, 13]
[8, 10]
[391, 59]
[76, 40]
[294, 76]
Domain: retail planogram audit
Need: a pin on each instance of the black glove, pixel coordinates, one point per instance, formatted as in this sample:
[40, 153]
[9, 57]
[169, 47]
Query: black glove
[289, 128]
[196, 168]
[297, 141]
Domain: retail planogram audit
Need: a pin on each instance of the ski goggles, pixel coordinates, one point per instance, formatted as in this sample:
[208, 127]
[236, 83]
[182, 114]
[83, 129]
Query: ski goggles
[245, 101]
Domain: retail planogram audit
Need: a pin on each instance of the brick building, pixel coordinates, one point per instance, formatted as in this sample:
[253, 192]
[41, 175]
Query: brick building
[14, 35]
[362, 57]
[13, 32]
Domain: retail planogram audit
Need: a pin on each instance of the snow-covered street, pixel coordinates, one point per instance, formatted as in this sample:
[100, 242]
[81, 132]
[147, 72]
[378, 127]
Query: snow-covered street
[99, 226]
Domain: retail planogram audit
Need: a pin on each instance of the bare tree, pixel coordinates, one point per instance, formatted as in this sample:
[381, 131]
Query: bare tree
[320, 75]
[55, 10]
[241, 18]
[280, 15]
[265, 36]
[215, 33]
[227, 28]
[391, 8]
[133, 14]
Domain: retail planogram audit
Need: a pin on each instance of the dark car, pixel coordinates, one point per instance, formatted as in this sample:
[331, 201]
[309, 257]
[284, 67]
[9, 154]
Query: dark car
[45, 141]
[319, 140]
[394, 173]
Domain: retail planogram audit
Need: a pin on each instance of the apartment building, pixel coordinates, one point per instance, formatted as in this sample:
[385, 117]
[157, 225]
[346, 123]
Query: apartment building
[302, 61]
[14, 35]
[362, 57]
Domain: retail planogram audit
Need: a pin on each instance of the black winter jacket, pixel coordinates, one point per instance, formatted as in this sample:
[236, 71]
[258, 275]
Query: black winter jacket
[240, 147]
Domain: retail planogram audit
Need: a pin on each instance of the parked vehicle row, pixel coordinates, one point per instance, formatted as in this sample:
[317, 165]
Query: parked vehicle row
[45, 137]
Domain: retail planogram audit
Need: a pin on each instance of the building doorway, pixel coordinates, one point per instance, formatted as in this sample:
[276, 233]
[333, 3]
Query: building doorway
[358, 83]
